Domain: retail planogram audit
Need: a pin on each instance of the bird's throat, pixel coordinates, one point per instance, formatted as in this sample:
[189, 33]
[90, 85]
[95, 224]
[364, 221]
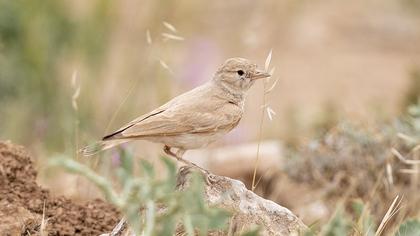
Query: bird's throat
[230, 93]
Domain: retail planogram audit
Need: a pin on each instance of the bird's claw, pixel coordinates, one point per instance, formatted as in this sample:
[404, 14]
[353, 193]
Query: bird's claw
[208, 177]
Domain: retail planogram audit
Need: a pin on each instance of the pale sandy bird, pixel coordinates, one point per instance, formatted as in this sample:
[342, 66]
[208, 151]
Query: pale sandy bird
[194, 119]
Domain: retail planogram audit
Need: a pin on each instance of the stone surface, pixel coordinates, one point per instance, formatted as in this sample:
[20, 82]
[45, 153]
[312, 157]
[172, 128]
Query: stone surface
[249, 210]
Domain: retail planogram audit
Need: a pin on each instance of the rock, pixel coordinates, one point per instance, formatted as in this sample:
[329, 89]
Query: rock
[248, 209]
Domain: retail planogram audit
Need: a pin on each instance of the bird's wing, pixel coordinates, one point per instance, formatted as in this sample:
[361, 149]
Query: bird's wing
[183, 118]
[118, 133]
[180, 99]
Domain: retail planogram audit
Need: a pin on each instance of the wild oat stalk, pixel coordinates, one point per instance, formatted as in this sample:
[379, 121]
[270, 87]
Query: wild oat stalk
[42, 228]
[169, 26]
[392, 210]
[76, 87]
[134, 83]
[171, 36]
[270, 112]
[117, 111]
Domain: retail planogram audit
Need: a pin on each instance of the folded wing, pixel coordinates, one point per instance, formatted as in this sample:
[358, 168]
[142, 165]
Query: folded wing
[185, 118]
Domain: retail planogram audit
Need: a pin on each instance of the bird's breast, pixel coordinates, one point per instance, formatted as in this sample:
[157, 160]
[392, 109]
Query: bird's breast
[189, 140]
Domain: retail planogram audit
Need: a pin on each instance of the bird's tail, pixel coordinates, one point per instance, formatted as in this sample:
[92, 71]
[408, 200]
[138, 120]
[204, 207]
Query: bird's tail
[97, 147]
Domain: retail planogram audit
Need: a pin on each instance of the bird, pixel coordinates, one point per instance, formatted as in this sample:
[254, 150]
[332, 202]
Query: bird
[194, 119]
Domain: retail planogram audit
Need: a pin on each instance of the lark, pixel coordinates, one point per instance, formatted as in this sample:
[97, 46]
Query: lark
[194, 119]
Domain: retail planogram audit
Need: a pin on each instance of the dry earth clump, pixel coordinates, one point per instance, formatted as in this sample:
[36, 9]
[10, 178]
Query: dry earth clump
[22, 202]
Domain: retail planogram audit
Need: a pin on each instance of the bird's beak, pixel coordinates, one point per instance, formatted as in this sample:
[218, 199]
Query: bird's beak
[259, 74]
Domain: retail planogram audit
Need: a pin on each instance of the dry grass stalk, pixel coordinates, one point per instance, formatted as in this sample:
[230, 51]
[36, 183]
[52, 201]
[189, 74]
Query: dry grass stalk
[268, 60]
[148, 37]
[165, 66]
[389, 174]
[409, 171]
[42, 228]
[266, 66]
[403, 159]
[114, 115]
[406, 138]
[76, 88]
[392, 210]
[254, 185]
[167, 36]
[170, 26]
[270, 113]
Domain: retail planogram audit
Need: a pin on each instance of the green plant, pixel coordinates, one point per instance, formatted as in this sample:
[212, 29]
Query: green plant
[413, 93]
[152, 206]
[411, 227]
[364, 223]
[338, 225]
[39, 38]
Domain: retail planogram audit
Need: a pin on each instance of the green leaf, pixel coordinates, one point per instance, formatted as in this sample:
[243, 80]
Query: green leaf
[170, 167]
[309, 232]
[147, 168]
[410, 227]
[339, 225]
[253, 232]
[166, 226]
[126, 162]
[218, 218]
[189, 228]
[365, 223]
[133, 218]
[358, 206]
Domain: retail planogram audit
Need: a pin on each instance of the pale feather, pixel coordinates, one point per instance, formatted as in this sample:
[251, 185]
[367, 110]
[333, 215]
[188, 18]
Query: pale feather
[202, 110]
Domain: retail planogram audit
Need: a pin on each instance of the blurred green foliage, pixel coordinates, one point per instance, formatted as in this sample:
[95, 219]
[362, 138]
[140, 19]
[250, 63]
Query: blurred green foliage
[364, 220]
[360, 222]
[339, 225]
[409, 125]
[410, 227]
[35, 37]
[150, 205]
[413, 94]
[358, 219]
[414, 119]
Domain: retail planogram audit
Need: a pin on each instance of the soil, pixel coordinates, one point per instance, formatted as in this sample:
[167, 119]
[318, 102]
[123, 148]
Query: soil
[22, 203]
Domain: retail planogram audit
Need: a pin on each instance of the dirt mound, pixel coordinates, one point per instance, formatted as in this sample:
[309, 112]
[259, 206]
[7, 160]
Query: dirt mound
[22, 202]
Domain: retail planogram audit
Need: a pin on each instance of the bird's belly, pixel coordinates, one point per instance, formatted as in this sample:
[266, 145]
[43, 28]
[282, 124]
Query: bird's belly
[187, 141]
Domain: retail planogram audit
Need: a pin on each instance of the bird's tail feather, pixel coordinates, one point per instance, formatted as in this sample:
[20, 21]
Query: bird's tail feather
[97, 147]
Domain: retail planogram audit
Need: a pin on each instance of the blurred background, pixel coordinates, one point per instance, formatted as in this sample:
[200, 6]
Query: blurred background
[72, 71]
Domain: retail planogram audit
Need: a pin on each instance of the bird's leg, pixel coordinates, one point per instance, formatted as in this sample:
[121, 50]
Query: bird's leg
[181, 152]
[209, 178]
[168, 151]
[178, 155]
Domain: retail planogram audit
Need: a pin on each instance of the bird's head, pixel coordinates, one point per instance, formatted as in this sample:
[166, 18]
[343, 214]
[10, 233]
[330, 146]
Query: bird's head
[238, 74]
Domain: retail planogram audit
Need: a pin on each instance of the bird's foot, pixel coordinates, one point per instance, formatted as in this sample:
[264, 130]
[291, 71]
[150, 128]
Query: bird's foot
[209, 177]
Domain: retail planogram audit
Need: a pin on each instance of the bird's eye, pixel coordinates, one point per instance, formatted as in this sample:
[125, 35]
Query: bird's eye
[241, 72]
